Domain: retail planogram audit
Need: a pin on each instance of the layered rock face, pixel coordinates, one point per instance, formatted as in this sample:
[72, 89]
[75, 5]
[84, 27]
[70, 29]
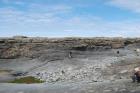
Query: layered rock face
[106, 63]
[36, 47]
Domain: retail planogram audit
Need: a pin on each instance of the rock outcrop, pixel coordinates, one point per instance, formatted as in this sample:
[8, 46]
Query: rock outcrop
[22, 46]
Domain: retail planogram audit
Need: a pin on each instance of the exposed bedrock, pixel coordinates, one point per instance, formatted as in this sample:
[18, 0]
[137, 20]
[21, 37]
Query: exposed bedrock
[69, 65]
[37, 47]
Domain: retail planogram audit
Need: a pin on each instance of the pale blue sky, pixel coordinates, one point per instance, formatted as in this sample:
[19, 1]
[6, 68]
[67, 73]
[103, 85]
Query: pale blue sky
[67, 18]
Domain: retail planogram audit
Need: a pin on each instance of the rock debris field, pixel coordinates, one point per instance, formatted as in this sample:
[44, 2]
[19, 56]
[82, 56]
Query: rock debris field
[69, 65]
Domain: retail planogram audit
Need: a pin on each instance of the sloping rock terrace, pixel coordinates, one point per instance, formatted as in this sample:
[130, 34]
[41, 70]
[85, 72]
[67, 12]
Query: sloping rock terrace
[35, 47]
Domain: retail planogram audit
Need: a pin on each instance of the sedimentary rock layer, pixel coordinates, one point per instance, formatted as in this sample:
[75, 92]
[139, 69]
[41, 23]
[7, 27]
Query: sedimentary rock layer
[34, 47]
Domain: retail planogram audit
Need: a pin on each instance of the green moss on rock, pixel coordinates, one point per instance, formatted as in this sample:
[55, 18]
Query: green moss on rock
[27, 80]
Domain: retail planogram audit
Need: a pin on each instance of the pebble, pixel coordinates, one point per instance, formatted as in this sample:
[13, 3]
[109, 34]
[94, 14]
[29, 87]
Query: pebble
[122, 90]
[91, 91]
[132, 91]
[107, 91]
[123, 71]
[20, 92]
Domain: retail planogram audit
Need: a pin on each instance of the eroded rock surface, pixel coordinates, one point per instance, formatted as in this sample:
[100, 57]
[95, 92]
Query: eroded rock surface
[36, 47]
[94, 65]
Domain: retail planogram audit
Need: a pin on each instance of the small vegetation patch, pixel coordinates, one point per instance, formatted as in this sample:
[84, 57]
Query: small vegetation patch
[27, 80]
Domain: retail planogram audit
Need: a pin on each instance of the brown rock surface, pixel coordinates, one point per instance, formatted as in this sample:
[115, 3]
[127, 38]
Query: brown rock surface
[29, 47]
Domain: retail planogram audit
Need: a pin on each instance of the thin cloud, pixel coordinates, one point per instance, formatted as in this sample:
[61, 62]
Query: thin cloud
[59, 8]
[49, 20]
[133, 5]
[34, 24]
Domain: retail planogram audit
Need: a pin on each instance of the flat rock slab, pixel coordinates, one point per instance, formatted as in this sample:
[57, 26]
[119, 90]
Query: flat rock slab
[122, 86]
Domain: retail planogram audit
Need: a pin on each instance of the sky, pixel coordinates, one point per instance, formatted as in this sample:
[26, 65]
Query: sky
[70, 18]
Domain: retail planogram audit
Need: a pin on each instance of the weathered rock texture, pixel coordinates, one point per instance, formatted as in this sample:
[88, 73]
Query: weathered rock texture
[95, 65]
[35, 47]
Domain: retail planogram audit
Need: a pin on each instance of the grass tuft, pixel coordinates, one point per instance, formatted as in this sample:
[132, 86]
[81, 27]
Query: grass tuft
[27, 80]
